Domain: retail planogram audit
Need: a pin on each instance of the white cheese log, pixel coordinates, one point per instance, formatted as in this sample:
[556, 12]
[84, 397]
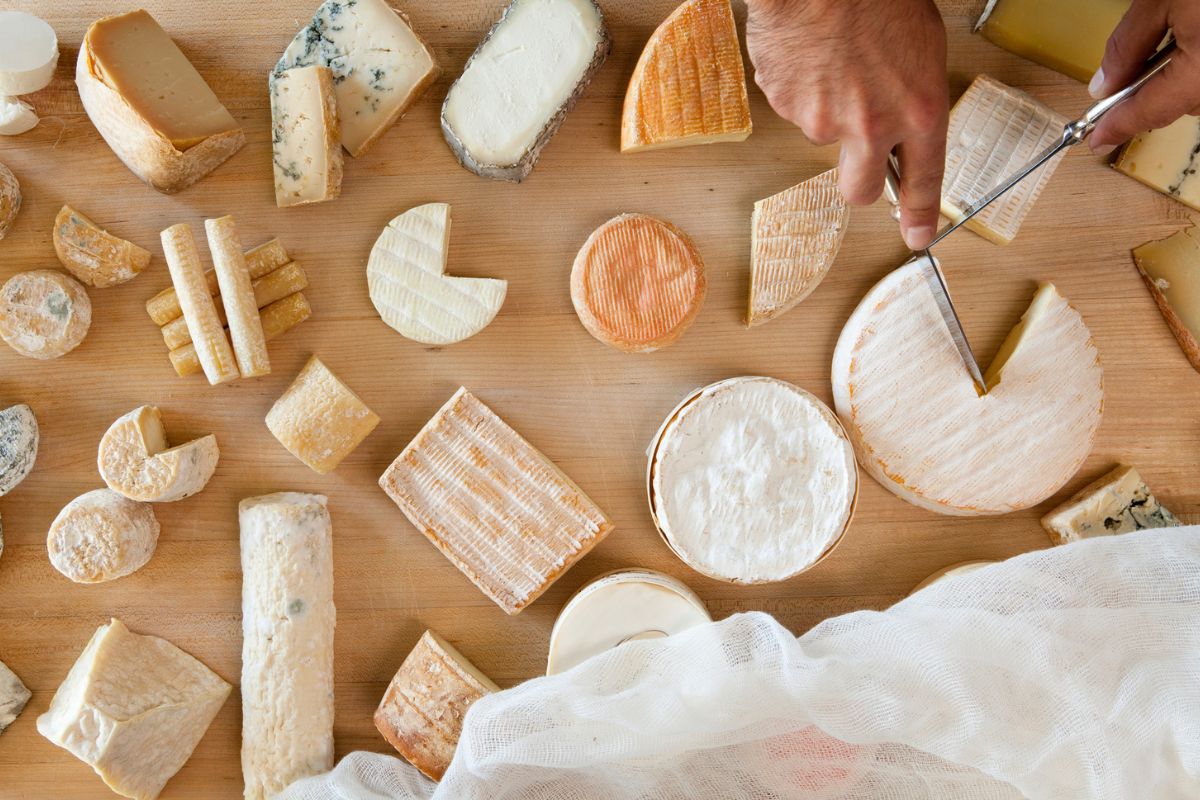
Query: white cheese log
[237, 296]
[188, 278]
[28, 53]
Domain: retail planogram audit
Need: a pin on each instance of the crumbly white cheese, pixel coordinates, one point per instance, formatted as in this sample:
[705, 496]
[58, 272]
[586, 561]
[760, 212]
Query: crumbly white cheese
[13, 696]
[18, 445]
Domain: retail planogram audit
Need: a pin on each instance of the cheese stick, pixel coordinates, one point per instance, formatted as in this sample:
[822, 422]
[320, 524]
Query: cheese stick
[277, 319]
[183, 260]
[265, 258]
[237, 297]
[288, 279]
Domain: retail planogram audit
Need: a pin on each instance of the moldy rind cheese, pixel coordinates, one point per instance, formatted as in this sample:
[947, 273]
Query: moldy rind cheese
[44, 314]
[101, 536]
[10, 199]
[13, 696]
[92, 254]
[135, 459]
[18, 445]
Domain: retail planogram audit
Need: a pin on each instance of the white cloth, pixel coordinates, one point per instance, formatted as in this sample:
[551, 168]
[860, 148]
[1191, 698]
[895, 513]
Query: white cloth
[1072, 672]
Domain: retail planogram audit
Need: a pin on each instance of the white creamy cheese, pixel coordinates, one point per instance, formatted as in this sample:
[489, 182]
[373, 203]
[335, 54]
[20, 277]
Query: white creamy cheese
[28, 53]
[16, 116]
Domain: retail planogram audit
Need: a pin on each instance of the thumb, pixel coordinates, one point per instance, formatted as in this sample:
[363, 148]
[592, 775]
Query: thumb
[1134, 40]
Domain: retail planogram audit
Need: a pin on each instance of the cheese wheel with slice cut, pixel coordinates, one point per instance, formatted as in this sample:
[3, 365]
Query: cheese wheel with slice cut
[100, 536]
[921, 429]
[44, 314]
[136, 461]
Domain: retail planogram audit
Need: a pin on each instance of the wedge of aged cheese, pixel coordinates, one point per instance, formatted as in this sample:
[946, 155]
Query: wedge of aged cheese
[16, 116]
[101, 536]
[133, 708]
[752, 480]
[13, 696]
[287, 640]
[994, 131]
[689, 86]
[28, 53]
[18, 445]
[1065, 35]
[277, 319]
[407, 280]
[136, 460]
[261, 260]
[187, 275]
[44, 314]
[623, 606]
[1166, 160]
[502, 513]
[952, 571]
[1171, 270]
[306, 140]
[521, 82]
[638, 283]
[237, 297]
[794, 238]
[1119, 502]
[285, 281]
[93, 255]
[380, 66]
[10, 199]
[422, 712]
[921, 429]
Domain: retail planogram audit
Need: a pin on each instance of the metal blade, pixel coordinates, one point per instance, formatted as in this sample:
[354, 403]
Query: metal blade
[941, 296]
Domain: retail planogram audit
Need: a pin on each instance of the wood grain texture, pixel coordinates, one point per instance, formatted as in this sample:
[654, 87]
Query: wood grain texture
[589, 408]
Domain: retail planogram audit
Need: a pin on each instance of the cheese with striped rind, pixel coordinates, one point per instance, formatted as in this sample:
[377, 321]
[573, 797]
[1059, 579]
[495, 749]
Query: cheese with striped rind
[306, 141]
[498, 509]
[1166, 160]
[689, 85]
[283, 282]
[1171, 270]
[187, 276]
[136, 461]
[10, 199]
[1118, 502]
[16, 116]
[28, 53]
[13, 696]
[795, 236]
[237, 298]
[408, 284]
[44, 314]
[277, 319]
[92, 254]
[101, 536]
[18, 445]
[921, 429]
[261, 260]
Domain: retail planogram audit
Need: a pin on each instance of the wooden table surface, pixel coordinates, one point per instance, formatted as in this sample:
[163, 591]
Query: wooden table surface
[589, 408]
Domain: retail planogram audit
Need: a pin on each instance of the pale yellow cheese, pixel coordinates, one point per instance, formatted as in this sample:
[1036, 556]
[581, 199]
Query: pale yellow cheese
[1065, 35]
[237, 297]
[287, 280]
[187, 275]
[306, 140]
[92, 254]
[261, 260]
[1166, 160]
[277, 318]
[135, 459]
[1171, 269]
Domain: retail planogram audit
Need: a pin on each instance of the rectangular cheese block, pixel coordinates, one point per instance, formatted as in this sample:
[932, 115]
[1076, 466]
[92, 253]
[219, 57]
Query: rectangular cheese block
[1171, 270]
[261, 260]
[422, 712]
[306, 140]
[13, 694]
[133, 708]
[1119, 502]
[288, 619]
[1068, 36]
[277, 319]
[1166, 160]
[502, 512]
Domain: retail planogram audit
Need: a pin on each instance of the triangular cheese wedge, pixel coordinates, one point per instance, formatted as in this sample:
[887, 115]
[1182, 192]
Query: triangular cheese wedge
[795, 236]
[409, 287]
[689, 86]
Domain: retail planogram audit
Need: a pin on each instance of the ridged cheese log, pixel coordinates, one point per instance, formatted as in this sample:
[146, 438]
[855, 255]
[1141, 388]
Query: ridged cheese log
[1118, 502]
[16, 116]
[187, 275]
[922, 430]
[92, 254]
[18, 445]
[261, 260]
[287, 640]
[408, 284]
[306, 141]
[277, 319]
[237, 297]
[28, 53]
[795, 236]
[285, 281]
[136, 461]
[101, 536]
[10, 199]
[44, 314]
[689, 86]
[13, 696]
[497, 116]
[133, 708]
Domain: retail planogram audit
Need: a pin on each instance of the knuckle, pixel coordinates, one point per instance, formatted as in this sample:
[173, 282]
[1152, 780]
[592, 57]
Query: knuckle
[926, 116]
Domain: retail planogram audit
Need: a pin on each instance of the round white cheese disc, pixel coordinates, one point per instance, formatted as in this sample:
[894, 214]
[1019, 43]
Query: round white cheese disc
[752, 480]
[619, 607]
[28, 53]
[922, 430]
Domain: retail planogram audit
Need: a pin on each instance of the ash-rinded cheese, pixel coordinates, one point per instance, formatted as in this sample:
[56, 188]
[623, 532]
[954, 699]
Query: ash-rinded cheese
[1119, 502]
[10, 199]
[922, 430]
[28, 53]
[287, 640]
[305, 137]
[13, 696]
[44, 314]
[133, 708]
[101, 536]
[92, 254]
[18, 445]
[422, 712]
[501, 511]
[752, 480]
[1166, 160]
[135, 460]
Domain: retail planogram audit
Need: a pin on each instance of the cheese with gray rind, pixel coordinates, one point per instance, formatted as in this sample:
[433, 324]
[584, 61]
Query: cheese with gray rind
[44, 314]
[10, 199]
[18, 445]
[1118, 502]
[101, 536]
[13, 696]
[135, 460]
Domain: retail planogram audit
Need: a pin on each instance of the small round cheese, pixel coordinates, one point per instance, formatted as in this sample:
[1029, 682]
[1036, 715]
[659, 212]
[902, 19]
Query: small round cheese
[961, 568]
[637, 283]
[18, 445]
[135, 460]
[10, 199]
[100, 536]
[752, 480]
[28, 53]
[44, 314]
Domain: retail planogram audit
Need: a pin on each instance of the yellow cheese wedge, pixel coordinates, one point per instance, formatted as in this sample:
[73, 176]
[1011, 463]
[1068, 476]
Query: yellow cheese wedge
[1065, 35]
[1166, 160]
[1171, 269]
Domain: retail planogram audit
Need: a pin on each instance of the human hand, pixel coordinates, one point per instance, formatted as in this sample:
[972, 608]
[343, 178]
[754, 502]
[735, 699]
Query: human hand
[871, 75]
[1167, 96]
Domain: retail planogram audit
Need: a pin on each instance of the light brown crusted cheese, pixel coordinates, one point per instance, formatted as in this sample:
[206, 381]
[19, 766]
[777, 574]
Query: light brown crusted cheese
[100, 536]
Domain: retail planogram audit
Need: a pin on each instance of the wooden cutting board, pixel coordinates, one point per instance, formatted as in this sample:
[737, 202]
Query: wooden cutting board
[591, 409]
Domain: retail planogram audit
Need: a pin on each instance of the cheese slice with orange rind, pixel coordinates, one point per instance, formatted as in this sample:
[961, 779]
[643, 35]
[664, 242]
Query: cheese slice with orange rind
[136, 461]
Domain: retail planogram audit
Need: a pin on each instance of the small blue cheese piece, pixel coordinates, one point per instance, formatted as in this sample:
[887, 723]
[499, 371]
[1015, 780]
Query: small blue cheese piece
[13, 696]
[305, 138]
[1119, 502]
[1166, 160]
[18, 445]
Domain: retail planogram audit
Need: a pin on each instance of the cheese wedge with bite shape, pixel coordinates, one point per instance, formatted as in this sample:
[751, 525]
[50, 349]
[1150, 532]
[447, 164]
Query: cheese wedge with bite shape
[135, 460]
[92, 254]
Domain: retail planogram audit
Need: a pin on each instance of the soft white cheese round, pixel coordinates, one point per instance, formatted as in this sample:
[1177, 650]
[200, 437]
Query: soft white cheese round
[753, 480]
[28, 53]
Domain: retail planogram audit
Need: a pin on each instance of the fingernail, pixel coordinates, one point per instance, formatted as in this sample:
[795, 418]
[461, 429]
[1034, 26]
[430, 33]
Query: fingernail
[918, 236]
[1096, 84]
[1104, 149]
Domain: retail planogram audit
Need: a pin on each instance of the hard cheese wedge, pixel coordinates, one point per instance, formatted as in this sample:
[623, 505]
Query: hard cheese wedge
[18, 445]
[502, 513]
[1171, 269]
[1166, 160]
[407, 281]
[1119, 502]
[689, 86]
[306, 139]
[13, 696]
[1065, 35]
[92, 254]
[133, 708]
[135, 459]
[920, 428]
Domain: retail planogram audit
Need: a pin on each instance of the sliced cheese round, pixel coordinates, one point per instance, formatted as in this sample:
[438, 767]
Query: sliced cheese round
[407, 280]
[44, 314]
[619, 607]
[100, 536]
[638, 283]
[136, 461]
[92, 254]
[10, 199]
[16, 116]
[752, 480]
[921, 429]
[961, 568]
[28, 53]
[18, 445]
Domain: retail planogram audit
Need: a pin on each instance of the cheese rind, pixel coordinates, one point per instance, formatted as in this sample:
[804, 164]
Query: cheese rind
[135, 460]
[18, 445]
[1065, 35]
[952, 571]
[237, 298]
[13, 696]
[16, 116]
[101, 536]
[44, 314]
[1171, 270]
[1118, 502]
[187, 276]
[10, 199]
[1166, 160]
[277, 318]
[92, 254]
[306, 141]
[28, 53]
[261, 260]
[283, 282]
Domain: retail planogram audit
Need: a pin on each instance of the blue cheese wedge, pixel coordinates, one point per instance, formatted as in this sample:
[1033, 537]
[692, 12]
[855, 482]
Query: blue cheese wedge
[18, 445]
[13, 696]
[1119, 502]
[1166, 160]
[306, 140]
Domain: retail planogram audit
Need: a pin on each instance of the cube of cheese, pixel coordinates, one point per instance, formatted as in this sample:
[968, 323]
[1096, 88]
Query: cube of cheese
[1119, 502]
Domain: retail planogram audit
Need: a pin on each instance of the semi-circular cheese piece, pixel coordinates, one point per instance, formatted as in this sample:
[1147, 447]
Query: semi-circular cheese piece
[920, 428]
[16, 116]
[100, 536]
[623, 606]
[18, 445]
[10, 199]
[135, 460]
[44, 314]
[961, 568]
[638, 283]
[92, 254]
[28, 53]
[752, 480]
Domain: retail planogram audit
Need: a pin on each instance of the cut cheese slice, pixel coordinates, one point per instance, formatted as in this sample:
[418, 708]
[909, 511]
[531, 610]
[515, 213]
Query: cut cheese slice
[952, 571]
[506, 516]
[277, 319]
[28, 53]
[1065, 35]
[1166, 160]
[136, 461]
[1171, 270]
[10, 199]
[1119, 502]
[283, 282]
[305, 138]
[795, 236]
[994, 131]
[18, 445]
[133, 708]
[921, 429]
[101, 536]
[261, 260]
[13, 696]
[16, 116]
[689, 86]
[44, 314]
[521, 82]
[94, 255]
[422, 712]
[407, 280]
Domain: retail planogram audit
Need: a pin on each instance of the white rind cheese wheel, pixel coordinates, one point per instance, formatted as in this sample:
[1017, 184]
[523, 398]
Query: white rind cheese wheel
[100, 536]
[28, 53]
[44, 314]
[920, 428]
[954, 570]
[18, 445]
[135, 461]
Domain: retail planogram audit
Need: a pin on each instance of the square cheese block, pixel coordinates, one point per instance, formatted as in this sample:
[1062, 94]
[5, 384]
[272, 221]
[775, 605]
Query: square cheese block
[133, 708]
[1065, 35]
[506, 516]
[422, 713]
[1171, 270]
[1119, 502]
[1166, 160]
